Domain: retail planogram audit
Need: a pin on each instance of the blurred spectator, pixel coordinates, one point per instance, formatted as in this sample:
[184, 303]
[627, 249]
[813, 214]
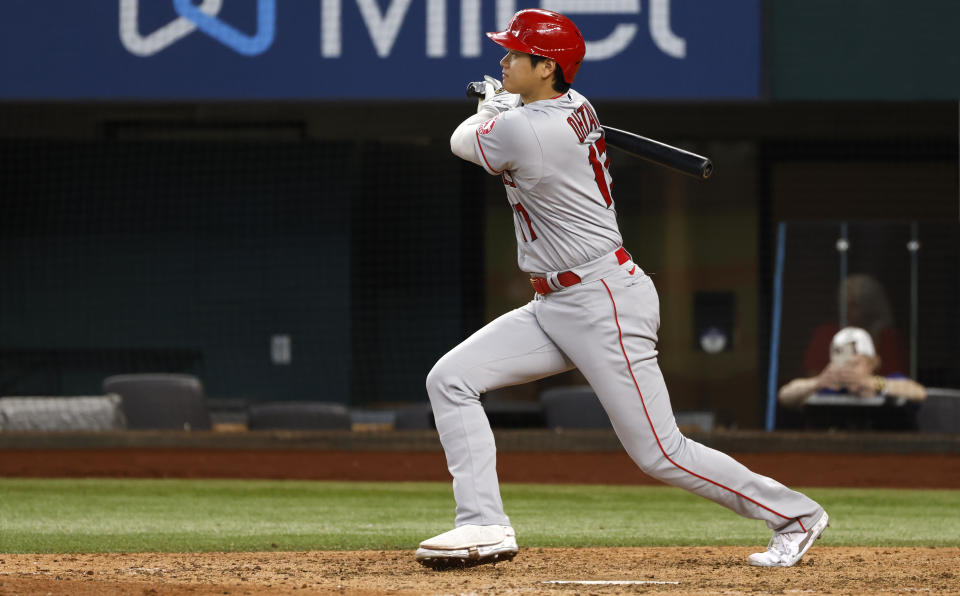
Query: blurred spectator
[869, 309]
[851, 371]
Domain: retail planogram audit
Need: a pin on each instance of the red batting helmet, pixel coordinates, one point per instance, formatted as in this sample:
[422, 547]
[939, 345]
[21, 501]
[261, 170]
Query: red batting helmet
[545, 33]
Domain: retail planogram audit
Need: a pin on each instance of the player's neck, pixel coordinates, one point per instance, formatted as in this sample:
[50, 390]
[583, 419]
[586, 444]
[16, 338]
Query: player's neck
[540, 93]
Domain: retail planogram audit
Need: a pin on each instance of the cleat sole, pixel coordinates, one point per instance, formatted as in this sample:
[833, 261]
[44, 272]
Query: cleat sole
[451, 563]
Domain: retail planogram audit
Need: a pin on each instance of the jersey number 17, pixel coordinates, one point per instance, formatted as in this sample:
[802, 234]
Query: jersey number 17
[600, 162]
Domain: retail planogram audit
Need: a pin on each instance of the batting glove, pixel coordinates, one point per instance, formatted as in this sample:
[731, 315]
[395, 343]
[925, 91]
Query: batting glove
[496, 97]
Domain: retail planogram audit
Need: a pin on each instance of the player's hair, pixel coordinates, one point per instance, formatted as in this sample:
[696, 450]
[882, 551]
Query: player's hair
[559, 85]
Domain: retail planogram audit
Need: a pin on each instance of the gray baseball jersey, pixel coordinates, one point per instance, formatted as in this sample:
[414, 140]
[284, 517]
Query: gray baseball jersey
[553, 161]
[551, 157]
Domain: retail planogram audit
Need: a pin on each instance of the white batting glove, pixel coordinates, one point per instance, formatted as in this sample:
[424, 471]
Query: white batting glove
[496, 97]
[491, 86]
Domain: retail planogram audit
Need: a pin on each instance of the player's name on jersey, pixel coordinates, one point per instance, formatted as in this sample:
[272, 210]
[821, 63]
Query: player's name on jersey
[583, 121]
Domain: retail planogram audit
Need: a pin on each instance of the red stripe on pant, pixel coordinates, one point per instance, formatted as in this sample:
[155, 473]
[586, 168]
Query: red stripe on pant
[654, 431]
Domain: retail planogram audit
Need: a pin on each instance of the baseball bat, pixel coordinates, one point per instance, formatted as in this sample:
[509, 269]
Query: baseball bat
[650, 150]
[659, 153]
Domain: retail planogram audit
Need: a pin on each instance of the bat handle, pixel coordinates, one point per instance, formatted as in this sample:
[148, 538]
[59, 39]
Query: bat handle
[476, 89]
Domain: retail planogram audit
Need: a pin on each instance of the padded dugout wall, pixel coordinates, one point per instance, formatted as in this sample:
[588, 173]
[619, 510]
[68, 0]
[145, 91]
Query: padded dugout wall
[190, 256]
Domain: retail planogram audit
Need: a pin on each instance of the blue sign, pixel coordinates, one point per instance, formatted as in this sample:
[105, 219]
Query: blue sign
[364, 49]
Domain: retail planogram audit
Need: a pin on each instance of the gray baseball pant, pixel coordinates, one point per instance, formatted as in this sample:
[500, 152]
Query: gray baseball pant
[607, 327]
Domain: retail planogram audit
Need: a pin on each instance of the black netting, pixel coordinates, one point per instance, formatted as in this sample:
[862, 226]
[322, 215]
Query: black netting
[899, 281]
[222, 259]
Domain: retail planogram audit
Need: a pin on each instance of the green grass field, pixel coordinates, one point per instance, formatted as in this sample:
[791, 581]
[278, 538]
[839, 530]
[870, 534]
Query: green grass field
[114, 515]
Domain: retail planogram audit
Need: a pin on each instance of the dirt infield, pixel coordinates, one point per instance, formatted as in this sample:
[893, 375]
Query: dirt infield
[793, 469]
[689, 570]
[683, 570]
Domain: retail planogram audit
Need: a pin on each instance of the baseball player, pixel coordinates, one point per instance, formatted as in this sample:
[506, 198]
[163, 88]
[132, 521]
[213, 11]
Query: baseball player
[594, 309]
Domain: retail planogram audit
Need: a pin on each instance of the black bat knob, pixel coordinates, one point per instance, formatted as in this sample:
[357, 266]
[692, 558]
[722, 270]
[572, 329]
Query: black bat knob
[476, 89]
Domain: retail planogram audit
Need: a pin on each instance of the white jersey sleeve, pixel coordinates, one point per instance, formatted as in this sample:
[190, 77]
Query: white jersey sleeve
[509, 143]
[464, 138]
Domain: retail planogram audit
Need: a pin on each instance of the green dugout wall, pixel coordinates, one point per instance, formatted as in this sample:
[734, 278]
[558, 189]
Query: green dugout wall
[863, 49]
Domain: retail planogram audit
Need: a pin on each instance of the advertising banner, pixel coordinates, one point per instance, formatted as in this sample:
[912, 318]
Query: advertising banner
[362, 49]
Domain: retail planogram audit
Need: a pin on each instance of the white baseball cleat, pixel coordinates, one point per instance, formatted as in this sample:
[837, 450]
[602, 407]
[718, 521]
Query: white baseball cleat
[467, 546]
[786, 548]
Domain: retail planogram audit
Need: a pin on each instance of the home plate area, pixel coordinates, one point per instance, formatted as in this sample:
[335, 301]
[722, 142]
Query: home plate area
[607, 582]
[669, 570]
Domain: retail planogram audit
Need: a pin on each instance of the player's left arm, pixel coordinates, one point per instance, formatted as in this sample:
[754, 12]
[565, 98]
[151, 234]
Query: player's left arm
[506, 142]
[495, 102]
[462, 139]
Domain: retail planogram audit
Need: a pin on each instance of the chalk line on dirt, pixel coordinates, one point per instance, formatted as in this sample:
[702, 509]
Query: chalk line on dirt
[606, 582]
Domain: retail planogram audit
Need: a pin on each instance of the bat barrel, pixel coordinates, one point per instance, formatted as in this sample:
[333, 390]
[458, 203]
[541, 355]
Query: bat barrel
[659, 153]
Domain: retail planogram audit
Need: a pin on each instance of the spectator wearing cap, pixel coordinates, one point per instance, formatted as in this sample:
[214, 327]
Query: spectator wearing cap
[867, 307]
[852, 370]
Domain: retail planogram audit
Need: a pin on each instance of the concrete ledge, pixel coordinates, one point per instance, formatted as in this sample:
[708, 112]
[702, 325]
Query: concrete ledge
[507, 441]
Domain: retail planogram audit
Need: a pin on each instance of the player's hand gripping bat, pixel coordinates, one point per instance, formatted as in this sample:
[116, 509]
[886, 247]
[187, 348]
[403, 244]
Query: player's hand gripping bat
[653, 151]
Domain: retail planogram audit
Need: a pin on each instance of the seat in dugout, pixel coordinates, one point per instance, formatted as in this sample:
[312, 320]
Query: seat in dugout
[940, 412]
[161, 400]
[298, 415]
[574, 406]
